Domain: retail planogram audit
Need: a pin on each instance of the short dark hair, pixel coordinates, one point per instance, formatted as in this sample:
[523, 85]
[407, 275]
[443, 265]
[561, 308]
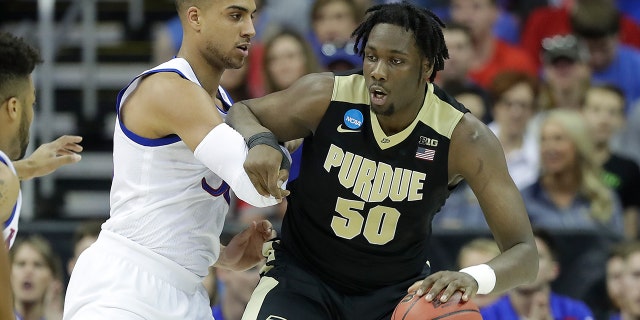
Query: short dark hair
[593, 19]
[425, 25]
[18, 59]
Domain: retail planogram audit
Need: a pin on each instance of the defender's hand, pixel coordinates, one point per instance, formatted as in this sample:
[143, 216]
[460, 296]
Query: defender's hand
[245, 249]
[450, 282]
[48, 157]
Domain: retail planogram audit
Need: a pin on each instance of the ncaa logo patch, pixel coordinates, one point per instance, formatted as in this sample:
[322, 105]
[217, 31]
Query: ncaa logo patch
[353, 119]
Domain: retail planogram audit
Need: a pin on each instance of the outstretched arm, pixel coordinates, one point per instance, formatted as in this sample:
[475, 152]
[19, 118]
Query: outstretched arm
[48, 157]
[165, 103]
[477, 156]
[289, 114]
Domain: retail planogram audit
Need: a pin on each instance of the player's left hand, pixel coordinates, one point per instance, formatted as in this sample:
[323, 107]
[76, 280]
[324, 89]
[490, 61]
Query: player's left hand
[48, 157]
[448, 282]
[245, 249]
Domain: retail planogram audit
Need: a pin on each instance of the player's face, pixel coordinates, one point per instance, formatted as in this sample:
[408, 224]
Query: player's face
[394, 71]
[559, 153]
[27, 99]
[227, 31]
[30, 275]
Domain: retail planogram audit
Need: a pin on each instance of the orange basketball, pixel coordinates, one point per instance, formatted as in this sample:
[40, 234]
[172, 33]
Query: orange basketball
[413, 307]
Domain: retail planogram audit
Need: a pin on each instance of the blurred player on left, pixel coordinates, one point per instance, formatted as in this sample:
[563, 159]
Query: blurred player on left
[17, 97]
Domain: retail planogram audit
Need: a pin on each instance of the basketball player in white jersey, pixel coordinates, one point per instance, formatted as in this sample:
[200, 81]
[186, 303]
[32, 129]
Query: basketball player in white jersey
[174, 162]
[17, 97]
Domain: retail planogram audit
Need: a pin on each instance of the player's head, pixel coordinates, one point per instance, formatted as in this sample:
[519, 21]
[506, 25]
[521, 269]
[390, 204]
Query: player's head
[422, 25]
[218, 31]
[403, 48]
[17, 94]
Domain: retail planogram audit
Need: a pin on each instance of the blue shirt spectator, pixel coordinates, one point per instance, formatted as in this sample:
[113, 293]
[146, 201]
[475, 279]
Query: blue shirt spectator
[623, 72]
[562, 308]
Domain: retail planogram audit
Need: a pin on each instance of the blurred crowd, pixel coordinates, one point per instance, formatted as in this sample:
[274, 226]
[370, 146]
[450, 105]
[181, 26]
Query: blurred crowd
[557, 83]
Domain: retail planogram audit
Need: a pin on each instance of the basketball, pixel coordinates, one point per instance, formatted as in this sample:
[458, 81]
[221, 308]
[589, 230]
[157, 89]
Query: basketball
[413, 307]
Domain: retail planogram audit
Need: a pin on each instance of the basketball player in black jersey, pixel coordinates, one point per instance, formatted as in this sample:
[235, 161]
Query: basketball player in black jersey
[383, 147]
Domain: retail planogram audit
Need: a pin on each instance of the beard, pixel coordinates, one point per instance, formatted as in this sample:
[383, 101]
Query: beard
[386, 112]
[23, 136]
[217, 57]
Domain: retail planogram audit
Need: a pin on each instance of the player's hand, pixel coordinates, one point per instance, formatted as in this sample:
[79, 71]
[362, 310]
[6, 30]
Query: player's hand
[263, 168]
[448, 282]
[48, 157]
[245, 249]
[293, 145]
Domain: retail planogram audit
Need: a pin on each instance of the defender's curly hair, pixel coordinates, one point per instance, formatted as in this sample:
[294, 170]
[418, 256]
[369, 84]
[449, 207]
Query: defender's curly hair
[17, 61]
[425, 25]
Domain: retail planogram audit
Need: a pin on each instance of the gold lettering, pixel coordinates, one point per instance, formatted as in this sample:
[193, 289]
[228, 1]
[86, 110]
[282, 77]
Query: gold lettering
[382, 183]
[334, 158]
[415, 187]
[366, 174]
[349, 169]
[400, 184]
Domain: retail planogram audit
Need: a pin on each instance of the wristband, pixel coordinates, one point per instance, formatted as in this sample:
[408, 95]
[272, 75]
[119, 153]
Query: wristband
[269, 139]
[484, 275]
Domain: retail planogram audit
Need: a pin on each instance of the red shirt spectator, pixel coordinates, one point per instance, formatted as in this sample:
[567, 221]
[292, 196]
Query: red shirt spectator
[504, 57]
[549, 21]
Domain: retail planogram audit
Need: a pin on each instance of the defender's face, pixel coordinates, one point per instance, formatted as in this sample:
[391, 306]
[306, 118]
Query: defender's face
[227, 29]
[394, 71]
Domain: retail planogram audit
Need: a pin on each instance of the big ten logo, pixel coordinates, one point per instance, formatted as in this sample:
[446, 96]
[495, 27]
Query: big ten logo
[428, 142]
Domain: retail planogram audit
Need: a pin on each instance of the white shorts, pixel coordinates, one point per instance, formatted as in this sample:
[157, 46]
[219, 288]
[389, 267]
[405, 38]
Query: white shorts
[116, 278]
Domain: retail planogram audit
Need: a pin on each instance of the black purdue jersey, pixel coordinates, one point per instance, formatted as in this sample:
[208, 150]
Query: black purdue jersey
[359, 214]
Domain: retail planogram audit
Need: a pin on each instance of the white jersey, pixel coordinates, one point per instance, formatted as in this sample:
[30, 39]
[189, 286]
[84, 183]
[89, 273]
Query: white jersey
[162, 197]
[11, 225]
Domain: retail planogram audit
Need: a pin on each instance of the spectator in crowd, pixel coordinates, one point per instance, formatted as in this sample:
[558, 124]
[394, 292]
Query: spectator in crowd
[84, 235]
[471, 96]
[491, 55]
[477, 251]
[332, 23]
[549, 21]
[514, 104]
[631, 296]
[615, 279]
[565, 74]
[603, 111]
[537, 300]
[36, 279]
[597, 25]
[287, 57]
[570, 193]
[461, 55]
[628, 143]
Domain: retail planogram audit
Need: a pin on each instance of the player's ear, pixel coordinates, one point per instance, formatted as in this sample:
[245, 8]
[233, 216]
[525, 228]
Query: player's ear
[427, 66]
[193, 17]
[11, 107]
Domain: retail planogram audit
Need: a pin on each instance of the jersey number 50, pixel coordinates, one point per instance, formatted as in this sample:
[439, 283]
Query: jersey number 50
[379, 227]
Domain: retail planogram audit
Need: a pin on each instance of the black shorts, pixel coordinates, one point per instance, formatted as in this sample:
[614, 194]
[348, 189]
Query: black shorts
[289, 292]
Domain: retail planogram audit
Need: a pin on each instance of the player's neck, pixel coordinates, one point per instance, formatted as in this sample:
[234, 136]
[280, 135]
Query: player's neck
[208, 75]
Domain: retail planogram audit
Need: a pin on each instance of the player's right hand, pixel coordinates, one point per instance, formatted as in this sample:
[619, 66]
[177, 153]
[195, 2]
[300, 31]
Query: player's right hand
[263, 168]
[448, 282]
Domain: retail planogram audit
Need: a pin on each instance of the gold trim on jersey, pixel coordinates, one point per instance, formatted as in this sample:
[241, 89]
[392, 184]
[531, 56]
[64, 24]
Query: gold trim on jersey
[435, 113]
